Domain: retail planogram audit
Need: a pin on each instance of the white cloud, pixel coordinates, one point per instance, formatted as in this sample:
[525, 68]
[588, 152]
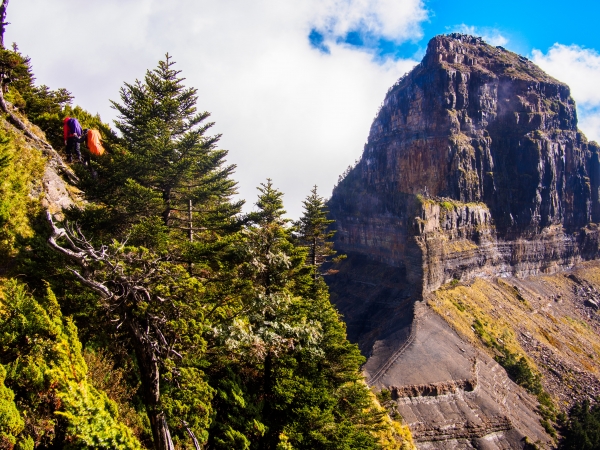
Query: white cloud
[395, 20]
[580, 69]
[286, 110]
[490, 35]
[589, 123]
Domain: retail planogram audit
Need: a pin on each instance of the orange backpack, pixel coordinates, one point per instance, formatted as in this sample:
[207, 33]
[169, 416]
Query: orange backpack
[94, 142]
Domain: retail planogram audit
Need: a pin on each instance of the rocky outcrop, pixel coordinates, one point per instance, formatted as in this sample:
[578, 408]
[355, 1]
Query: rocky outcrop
[57, 190]
[474, 162]
[452, 395]
[474, 167]
[461, 241]
[481, 124]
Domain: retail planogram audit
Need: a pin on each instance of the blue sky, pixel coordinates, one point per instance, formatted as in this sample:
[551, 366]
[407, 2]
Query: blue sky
[525, 24]
[293, 85]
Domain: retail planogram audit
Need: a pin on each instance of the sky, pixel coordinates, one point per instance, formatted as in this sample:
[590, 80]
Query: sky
[292, 85]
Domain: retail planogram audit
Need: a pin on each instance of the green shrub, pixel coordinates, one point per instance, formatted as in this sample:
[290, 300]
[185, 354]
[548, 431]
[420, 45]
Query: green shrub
[518, 369]
[581, 431]
[45, 369]
[21, 168]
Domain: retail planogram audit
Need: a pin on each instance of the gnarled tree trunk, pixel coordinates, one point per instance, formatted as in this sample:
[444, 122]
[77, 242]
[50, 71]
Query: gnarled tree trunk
[79, 250]
[150, 376]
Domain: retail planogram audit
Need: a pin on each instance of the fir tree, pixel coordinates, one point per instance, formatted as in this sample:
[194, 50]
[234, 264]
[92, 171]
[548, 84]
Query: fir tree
[41, 105]
[231, 332]
[275, 259]
[582, 429]
[160, 308]
[165, 188]
[167, 168]
[314, 233]
[288, 377]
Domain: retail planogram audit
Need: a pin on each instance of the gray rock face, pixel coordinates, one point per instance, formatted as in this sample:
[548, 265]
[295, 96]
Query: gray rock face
[474, 162]
[477, 123]
[56, 190]
[474, 166]
[454, 396]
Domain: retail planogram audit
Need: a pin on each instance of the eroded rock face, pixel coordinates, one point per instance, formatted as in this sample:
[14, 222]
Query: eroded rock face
[474, 162]
[474, 166]
[463, 399]
[477, 123]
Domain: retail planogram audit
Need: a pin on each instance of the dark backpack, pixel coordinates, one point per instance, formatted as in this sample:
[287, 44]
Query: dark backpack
[74, 127]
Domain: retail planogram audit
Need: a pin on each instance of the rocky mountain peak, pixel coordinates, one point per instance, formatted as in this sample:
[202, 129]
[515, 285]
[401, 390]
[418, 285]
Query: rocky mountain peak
[477, 123]
[473, 169]
[467, 53]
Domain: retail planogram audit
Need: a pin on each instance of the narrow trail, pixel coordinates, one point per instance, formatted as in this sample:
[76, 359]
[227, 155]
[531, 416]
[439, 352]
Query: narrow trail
[394, 357]
[22, 125]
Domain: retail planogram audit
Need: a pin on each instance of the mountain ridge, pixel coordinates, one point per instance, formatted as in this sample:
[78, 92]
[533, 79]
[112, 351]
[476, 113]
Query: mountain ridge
[474, 168]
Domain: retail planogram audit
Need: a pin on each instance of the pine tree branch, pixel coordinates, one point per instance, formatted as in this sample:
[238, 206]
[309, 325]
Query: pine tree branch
[193, 228]
[97, 287]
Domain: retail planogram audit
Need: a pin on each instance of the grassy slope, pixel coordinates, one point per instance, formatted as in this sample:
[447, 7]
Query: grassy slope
[543, 319]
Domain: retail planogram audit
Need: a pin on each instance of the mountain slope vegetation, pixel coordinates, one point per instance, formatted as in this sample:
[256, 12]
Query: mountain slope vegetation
[160, 316]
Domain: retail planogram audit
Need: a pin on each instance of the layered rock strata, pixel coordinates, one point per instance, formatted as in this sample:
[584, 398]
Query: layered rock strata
[473, 162]
[463, 396]
[474, 167]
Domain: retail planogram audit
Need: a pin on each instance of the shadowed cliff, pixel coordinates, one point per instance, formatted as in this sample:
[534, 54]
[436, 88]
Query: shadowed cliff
[474, 167]
[477, 123]
[473, 159]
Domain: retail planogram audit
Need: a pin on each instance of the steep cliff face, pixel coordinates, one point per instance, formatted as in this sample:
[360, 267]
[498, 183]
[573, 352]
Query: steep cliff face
[473, 159]
[480, 124]
[474, 167]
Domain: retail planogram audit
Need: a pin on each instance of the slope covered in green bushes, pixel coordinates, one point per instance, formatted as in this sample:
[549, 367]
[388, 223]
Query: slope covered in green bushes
[162, 316]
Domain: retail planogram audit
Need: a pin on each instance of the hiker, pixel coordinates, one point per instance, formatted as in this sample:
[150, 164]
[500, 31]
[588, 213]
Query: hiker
[93, 144]
[85, 153]
[72, 132]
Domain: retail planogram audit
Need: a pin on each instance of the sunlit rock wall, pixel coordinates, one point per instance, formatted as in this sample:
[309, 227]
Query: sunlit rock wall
[474, 165]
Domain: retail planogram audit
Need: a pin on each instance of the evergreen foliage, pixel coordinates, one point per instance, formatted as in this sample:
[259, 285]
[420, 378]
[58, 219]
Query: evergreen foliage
[164, 171]
[291, 374]
[41, 354]
[582, 429]
[314, 233]
[41, 105]
[160, 307]
[11, 423]
[106, 376]
[200, 325]
[21, 168]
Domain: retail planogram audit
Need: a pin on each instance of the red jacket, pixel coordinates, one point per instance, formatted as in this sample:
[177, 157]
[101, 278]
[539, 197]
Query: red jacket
[66, 127]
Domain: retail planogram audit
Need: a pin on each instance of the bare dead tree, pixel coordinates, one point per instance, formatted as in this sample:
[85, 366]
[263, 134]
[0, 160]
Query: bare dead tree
[3, 22]
[107, 271]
